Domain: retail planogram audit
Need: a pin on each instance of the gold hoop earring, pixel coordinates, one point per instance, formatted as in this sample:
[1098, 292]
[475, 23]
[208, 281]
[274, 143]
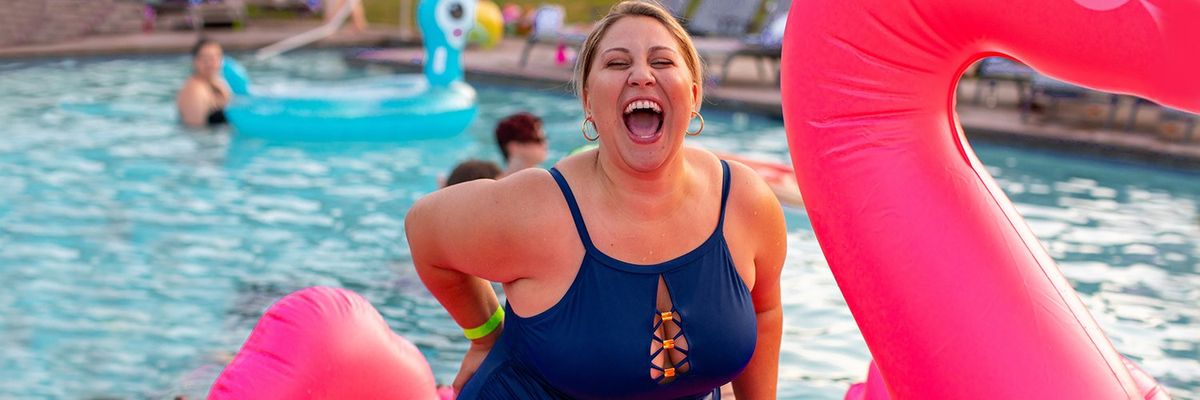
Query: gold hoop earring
[583, 128]
[697, 132]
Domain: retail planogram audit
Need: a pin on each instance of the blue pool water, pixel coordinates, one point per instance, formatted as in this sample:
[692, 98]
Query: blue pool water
[135, 255]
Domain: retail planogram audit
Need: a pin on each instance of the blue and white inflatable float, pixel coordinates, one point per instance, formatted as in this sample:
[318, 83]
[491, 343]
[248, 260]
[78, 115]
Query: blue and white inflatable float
[409, 106]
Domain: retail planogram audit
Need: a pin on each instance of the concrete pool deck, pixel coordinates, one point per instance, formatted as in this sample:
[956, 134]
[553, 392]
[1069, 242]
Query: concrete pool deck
[1075, 127]
[259, 34]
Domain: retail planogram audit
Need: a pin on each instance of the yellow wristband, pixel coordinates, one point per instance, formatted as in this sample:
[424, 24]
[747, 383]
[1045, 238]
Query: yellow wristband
[487, 327]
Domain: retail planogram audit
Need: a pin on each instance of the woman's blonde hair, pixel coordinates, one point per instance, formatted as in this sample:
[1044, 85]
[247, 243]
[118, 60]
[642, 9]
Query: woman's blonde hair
[644, 8]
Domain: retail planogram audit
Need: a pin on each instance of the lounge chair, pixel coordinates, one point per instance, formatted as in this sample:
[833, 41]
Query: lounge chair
[676, 7]
[1188, 120]
[766, 46]
[548, 22]
[1056, 90]
[726, 18]
[216, 12]
[548, 27]
[1165, 115]
[993, 70]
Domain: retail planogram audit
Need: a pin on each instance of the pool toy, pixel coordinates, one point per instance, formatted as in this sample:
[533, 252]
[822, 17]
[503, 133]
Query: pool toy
[953, 293]
[437, 104]
[489, 25]
[325, 343]
[871, 389]
[525, 22]
[235, 76]
[781, 178]
[512, 14]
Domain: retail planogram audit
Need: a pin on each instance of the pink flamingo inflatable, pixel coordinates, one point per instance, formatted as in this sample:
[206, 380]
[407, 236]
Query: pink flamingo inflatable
[326, 343]
[954, 295]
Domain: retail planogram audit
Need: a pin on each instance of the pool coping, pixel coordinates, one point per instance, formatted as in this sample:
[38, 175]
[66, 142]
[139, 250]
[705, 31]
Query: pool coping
[1004, 126]
[253, 37]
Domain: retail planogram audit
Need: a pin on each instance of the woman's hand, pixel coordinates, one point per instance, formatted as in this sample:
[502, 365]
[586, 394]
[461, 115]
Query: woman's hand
[223, 92]
[474, 357]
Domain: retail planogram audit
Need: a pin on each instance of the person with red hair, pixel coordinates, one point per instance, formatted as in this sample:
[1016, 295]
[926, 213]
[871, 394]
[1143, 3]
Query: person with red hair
[522, 142]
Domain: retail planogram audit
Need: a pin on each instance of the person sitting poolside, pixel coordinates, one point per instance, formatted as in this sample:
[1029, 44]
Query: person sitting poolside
[522, 142]
[641, 269]
[205, 94]
[358, 17]
[471, 170]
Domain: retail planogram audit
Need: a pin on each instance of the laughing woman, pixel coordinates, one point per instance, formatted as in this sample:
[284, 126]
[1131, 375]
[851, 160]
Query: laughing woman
[640, 270]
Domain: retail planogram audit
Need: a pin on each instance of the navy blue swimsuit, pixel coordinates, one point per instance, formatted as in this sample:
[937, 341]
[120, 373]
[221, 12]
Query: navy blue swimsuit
[600, 341]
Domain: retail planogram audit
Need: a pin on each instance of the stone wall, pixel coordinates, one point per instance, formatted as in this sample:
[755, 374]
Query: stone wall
[24, 22]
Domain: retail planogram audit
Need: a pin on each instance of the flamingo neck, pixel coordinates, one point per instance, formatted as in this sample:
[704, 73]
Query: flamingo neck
[869, 96]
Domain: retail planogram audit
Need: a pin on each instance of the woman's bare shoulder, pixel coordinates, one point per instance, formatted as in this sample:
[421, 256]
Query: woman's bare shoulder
[529, 200]
[572, 164]
[753, 202]
[749, 188]
[698, 155]
[506, 224]
[530, 185]
[192, 89]
[191, 84]
[523, 192]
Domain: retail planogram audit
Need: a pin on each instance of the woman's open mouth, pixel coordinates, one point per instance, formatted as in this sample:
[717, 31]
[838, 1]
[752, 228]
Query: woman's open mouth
[644, 120]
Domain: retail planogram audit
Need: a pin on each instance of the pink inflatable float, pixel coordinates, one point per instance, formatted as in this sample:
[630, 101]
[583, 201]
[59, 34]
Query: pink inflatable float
[954, 295]
[325, 343]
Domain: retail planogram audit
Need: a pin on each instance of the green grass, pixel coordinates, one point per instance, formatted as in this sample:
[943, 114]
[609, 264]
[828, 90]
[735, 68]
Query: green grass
[384, 12]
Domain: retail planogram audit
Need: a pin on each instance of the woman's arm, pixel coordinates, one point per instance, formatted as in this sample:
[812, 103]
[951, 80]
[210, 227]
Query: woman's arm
[192, 105]
[483, 230]
[468, 300]
[761, 377]
[226, 92]
[465, 235]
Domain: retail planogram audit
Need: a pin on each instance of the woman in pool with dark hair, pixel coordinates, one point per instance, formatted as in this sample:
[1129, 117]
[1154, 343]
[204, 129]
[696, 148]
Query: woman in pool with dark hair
[642, 269]
[202, 100]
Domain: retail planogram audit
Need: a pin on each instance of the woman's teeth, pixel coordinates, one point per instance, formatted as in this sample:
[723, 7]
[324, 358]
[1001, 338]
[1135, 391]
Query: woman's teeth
[643, 105]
